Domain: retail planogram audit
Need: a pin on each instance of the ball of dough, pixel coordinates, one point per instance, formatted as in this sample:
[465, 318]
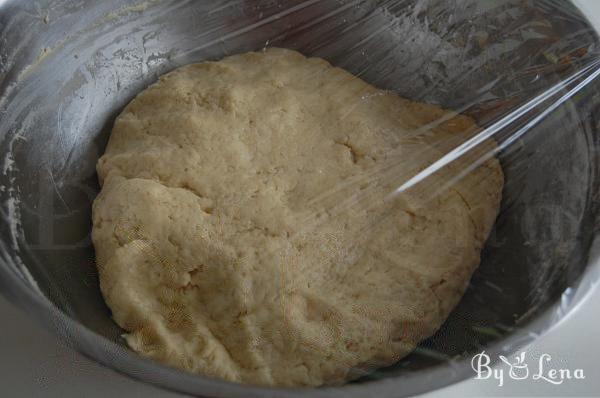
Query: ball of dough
[246, 228]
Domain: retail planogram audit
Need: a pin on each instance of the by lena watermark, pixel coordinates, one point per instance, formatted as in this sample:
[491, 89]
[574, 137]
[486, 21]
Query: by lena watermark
[541, 370]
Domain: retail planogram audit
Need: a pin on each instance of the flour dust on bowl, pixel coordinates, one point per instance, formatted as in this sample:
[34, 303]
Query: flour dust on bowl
[377, 125]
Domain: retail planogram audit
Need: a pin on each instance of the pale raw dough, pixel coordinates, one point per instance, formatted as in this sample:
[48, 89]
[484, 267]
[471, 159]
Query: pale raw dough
[245, 229]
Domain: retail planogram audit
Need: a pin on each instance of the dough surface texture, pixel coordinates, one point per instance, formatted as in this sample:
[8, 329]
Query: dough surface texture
[245, 228]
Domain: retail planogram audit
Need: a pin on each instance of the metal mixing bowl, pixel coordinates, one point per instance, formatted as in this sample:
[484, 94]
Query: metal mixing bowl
[68, 67]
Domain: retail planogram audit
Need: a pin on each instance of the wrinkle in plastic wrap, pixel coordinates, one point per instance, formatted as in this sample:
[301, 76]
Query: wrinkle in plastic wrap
[526, 71]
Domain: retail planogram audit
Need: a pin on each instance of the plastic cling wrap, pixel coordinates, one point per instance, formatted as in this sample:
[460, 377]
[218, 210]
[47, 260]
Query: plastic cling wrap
[509, 80]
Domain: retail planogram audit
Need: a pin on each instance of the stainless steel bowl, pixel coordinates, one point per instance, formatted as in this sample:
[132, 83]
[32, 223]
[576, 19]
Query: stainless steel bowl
[67, 68]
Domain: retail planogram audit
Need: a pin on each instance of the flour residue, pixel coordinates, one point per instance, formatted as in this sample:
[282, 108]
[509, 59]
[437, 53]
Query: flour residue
[13, 207]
